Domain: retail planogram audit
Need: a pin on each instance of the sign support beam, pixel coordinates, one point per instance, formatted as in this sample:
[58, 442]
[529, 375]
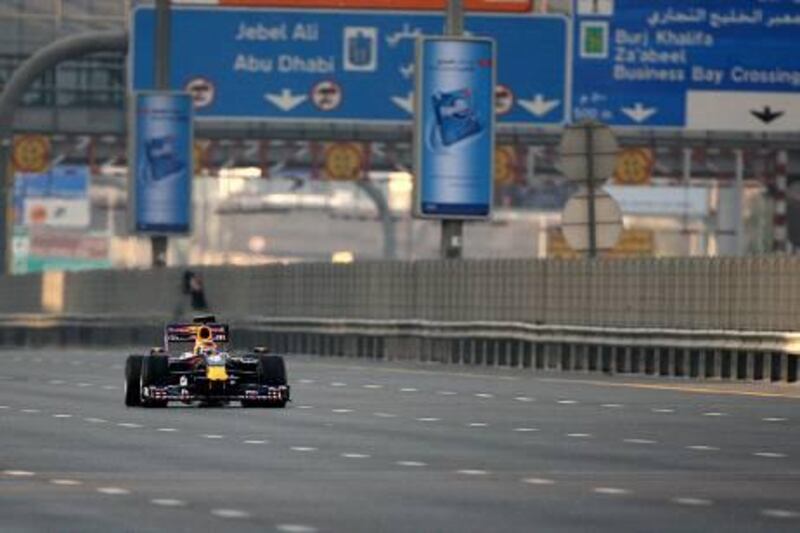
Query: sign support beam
[453, 230]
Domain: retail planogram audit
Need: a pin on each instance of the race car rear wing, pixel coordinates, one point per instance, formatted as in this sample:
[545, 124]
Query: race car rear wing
[187, 333]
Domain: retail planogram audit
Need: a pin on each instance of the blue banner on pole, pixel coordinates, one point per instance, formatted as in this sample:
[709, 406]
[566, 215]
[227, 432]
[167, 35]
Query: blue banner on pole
[161, 162]
[454, 130]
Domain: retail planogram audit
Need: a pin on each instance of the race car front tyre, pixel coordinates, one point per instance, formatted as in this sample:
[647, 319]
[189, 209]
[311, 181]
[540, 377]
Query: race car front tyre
[155, 371]
[133, 378]
[271, 372]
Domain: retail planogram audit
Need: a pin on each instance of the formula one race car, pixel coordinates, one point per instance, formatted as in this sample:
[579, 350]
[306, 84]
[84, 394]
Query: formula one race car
[194, 367]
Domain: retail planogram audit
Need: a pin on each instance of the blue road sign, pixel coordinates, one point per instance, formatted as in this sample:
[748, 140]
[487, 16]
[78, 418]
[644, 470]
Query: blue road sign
[454, 130]
[325, 65]
[161, 162]
[700, 64]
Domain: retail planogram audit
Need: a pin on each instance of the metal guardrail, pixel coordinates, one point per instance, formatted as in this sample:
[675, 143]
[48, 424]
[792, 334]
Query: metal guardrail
[700, 354]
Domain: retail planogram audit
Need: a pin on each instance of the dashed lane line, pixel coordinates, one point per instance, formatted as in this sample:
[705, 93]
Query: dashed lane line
[113, 491]
[168, 502]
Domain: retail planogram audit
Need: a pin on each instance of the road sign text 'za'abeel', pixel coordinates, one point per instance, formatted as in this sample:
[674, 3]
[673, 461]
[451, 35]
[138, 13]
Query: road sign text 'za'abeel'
[454, 127]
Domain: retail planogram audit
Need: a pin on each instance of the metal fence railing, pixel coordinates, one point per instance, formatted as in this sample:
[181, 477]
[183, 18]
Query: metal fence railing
[752, 294]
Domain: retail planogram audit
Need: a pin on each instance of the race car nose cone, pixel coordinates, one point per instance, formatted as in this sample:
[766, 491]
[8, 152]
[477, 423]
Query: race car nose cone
[216, 373]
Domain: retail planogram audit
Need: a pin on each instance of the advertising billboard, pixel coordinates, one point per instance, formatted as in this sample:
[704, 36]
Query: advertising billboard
[454, 127]
[161, 162]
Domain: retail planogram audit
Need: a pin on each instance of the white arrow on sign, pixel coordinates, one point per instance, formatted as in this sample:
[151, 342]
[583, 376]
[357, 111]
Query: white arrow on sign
[539, 106]
[639, 113]
[286, 101]
[405, 102]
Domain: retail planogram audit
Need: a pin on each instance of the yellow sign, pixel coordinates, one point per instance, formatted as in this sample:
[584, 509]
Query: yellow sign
[199, 155]
[31, 153]
[505, 165]
[634, 166]
[344, 161]
[632, 243]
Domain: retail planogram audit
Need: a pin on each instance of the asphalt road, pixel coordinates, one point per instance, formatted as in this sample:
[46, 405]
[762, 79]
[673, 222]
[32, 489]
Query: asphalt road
[377, 447]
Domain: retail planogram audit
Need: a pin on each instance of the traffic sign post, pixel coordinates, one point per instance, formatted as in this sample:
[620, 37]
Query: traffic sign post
[322, 66]
[650, 63]
[588, 155]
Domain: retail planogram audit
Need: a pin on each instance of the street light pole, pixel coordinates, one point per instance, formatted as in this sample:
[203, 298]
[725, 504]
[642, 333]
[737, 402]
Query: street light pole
[453, 230]
[159, 243]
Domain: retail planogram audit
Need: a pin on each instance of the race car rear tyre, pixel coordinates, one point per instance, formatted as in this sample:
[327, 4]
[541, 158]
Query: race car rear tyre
[133, 378]
[155, 371]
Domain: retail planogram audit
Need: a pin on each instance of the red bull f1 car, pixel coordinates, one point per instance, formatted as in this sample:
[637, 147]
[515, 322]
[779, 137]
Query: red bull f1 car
[195, 367]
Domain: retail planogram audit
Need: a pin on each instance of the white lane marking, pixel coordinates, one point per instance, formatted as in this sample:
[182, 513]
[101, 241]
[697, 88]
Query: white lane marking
[428, 419]
[538, 481]
[484, 395]
[525, 399]
[338, 384]
[62, 415]
[304, 407]
[167, 430]
[770, 455]
[30, 411]
[373, 386]
[478, 424]
[411, 463]
[715, 413]
[95, 420]
[230, 513]
[356, 456]
[611, 405]
[118, 367]
[340, 411]
[409, 389]
[525, 430]
[83, 384]
[703, 448]
[663, 410]
[639, 441]
[774, 419]
[56, 382]
[780, 513]
[73, 363]
[4, 407]
[65, 482]
[113, 491]
[697, 502]
[303, 449]
[295, 528]
[446, 393]
[471, 472]
[568, 402]
[610, 490]
[306, 381]
[384, 415]
[167, 502]
[579, 435]
[110, 387]
[18, 473]
[129, 425]
[255, 441]
[215, 437]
